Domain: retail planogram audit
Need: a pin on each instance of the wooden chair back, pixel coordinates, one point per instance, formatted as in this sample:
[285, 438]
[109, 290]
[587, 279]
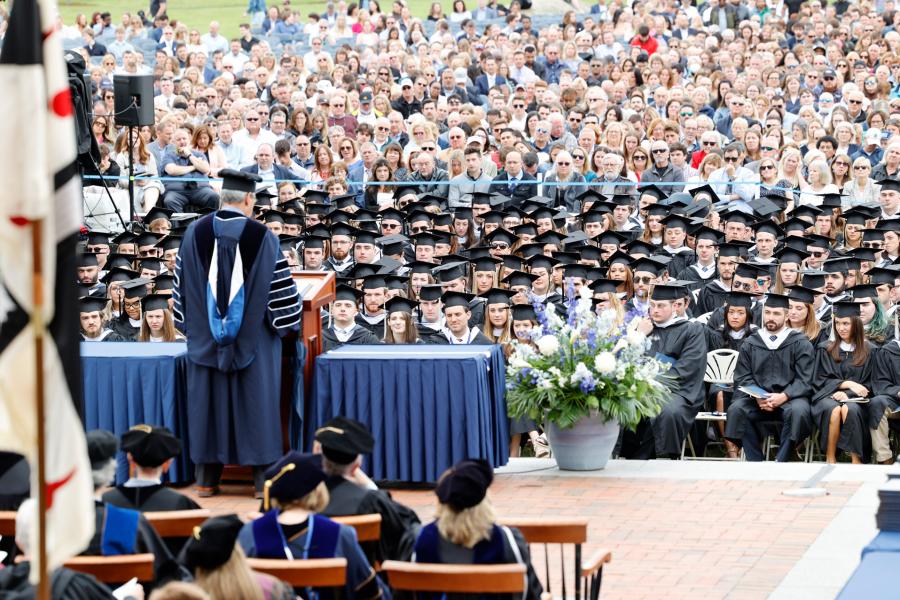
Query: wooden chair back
[455, 579]
[8, 523]
[114, 569]
[177, 523]
[315, 572]
[368, 527]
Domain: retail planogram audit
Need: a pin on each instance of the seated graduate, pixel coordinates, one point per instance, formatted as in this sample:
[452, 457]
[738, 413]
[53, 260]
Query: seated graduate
[343, 441]
[465, 531]
[220, 566]
[457, 315]
[294, 492]
[93, 325]
[682, 344]
[128, 324]
[15, 488]
[886, 384]
[843, 371]
[343, 328]
[64, 583]
[118, 530]
[431, 315]
[778, 363]
[401, 327]
[150, 451]
[157, 323]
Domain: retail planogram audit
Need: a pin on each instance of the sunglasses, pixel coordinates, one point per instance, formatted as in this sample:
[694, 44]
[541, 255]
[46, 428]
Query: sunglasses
[855, 101]
[428, 148]
[742, 286]
[419, 229]
[768, 148]
[639, 157]
[731, 159]
[713, 144]
[767, 167]
[860, 168]
[252, 119]
[660, 151]
[842, 164]
[390, 226]
[644, 279]
[499, 245]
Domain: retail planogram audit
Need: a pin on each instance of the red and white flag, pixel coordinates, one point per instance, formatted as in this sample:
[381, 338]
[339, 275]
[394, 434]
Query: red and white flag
[40, 182]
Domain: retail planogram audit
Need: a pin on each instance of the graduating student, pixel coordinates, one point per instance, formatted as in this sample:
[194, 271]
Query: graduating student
[150, 451]
[401, 325]
[458, 314]
[465, 530]
[843, 371]
[778, 362]
[886, 384]
[431, 321]
[93, 329]
[682, 344]
[703, 270]
[712, 295]
[343, 442]
[128, 324]
[341, 258]
[89, 274]
[343, 328]
[291, 528]
[373, 315]
[234, 335]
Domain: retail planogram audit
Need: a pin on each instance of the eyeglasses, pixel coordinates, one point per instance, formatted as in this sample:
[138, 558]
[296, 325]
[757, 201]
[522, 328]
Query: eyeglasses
[577, 157]
[428, 148]
[731, 159]
[518, 106]
[861, 168]
[855, 101]
[574, 120]
[878, 245]
[660, 151]
[644, 279]
[767, 167]
[842, 164]
[252, 119]
[747, 285]
[346, 147]
[768, 148]
[419, 229]
[816, 253]
[539, 130]
[499, 245]
[561, 163]
[640, 157]
[341, 105]
[381, 128]
[709, 143]
[390, 225]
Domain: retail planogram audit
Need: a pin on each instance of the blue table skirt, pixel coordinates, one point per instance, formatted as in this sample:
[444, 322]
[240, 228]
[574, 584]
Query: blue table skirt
[427, 406]
[128, 383]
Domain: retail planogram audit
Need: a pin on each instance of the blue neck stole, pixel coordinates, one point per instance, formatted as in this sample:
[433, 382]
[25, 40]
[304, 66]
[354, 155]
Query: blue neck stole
[487, 552]
[225, 287]
[120, 528]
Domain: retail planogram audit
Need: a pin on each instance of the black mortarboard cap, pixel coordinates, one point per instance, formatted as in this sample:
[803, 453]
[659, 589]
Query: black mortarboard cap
[98, 238]
[768, 226]
[342, 291]
[89, 304]
[292, 477]
[212, 543]
[705, 191]
[136, 288]
[426, 238]
[806, 211]
[845, 308]
[485, 263]
[610, 237]
[652, 190]
[550, 237]
[87, 259]
[865, 290]
[640, 247]
[520, 278]
[430, 293]
[836, 265]
[523, 312]
[400, 304]
[795, 224]
[344, 439]
[239, 181]
[119, 274]
[676, 221]
[751, 270]
[151, 264]
[147, 238]
[170, 242]
[799, 293]
[344, 201]
[150, 446]
[817, 241]
[648, 265]
[777, 301]
[575, 270]
[812, 279]
[539, 261]
[465, 484]
[864, 254]
[791, 255]
[881, 276]
[102, 446]
[604, 286]
[448, 272]
[158, 212]
[163, 282]
[155, 302]
[511, 261]
[374, 282]
[498, 296]
[890, 184]
[667, 292]
[739, 299]
[451, 299]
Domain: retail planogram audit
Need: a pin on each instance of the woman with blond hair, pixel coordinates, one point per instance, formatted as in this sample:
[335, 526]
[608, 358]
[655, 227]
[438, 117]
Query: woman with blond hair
[147, 188]
[291, 528]
[220, 566]
[819, 183]
[157, 324]
[465, 529]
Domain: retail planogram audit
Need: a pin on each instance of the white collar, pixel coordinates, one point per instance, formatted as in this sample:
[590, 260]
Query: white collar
[675, 319]
[766, 336]
[848, 346]
[466, 339]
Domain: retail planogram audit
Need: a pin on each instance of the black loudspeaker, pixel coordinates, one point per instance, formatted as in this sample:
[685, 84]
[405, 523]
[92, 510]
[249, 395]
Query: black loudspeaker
[134, 100]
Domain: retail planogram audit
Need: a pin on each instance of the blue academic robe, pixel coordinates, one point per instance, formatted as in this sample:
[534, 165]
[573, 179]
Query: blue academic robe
[233, 336]
[321, 538]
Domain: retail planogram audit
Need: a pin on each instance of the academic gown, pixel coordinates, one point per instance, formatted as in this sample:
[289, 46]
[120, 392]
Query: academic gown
[789, 369]
[431, 336]
[683, 345]
[692, 274]
[107, 335]
[431, 547]
[123, 328]
[712, 296]
[680, 260]
[152, 498]
[360, 335]
[121, 531]
[375, 324]
[717, 317]
[234, 363]
[885, 382]
[15, 488]
[399, 524]
[828, 377]
[64, 585]
[317, 537]
[477, 308]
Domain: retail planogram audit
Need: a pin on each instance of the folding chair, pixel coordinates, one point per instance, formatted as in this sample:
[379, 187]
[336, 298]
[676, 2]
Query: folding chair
[720, 365]
[177, 523]
[587, 575]
[368, 527]
[314, 573]
[455, 579]
[114, 569]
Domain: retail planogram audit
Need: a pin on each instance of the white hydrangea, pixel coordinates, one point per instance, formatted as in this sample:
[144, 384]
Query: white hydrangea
[548, 345]
[581, 372]
[605, 363]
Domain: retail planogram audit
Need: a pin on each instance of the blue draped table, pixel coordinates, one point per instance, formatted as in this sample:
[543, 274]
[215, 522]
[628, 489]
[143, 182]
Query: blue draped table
[878, 573]
[128, 383]
[427, 406]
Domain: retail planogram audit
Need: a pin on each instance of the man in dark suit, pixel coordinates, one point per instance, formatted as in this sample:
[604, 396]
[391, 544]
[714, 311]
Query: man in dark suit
[490, 77]
[268, 169]
[507, 181]
[681, 29]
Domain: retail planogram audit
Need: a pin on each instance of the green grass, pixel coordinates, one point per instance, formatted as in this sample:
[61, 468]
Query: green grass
[198, 13]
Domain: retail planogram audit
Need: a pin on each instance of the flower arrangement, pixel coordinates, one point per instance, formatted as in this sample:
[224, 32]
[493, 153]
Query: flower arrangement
[587, 364]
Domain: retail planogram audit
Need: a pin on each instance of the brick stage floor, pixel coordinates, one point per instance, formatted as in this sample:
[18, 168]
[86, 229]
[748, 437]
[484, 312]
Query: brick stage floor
[689, 529]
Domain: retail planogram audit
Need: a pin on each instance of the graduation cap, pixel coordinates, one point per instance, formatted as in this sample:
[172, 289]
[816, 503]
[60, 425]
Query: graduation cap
[733, 249]
[499, 296]
[889, 185]
[864, 254]
[315, 208]
[89, 304]
[640, 247]
[663, 291]
[511, 261]
[648, 265]
[620, 258]
[812, 279]
[652, 190]
[529, 250]
[98, 238]
[836, 265]
[288, 242]
[430, 293]
[158, 212]
[342, 229]
[239, 181]
[575, 239]
[802, 294]
[400, 304]
[364, 236]
[815, 240]
[795, 224]
[155, 302]
[119, 274]
[102, 446]
[707, 233]
[592, 253]
[313, 241]
[739, 299]
[889, 225]
[485, 263]
[857, 216]
[882, 276]
[844, 309]
[542, 212]
[396, 282]
[374, 282]
[517, 278]
[865, 290]
[126, 237]
[170, 242]
[679, 199]
[872, 235]
[151, 264]
[806, 212]
[392, 214]
[163, 282]
[87, 259]
[704, 192]
[150, 446]
[360, 271]
[212, 543]
[575, 270]
[465, 484]
[539, 261]
[451, 299]
[622, 199]
[737, 216]
[764, 207]
[292, 477]
[342, 291]
[525, 229]
[147, 238]
[392, 244]
[675, 221]
[420, 266]
[448, 272]
[263, 197]
[604, 286]
[344, 439]
[523, 312]
[344, 201]
[426, 238]
[136, 288]
[405, 190]
[777, 301]
[751, 270]
[551, 237]
[831, 200]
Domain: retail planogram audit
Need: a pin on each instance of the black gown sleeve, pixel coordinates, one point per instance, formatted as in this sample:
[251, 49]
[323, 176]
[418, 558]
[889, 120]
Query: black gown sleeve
[399, 525]
[803, 367]
[828, 376]
[886, 372]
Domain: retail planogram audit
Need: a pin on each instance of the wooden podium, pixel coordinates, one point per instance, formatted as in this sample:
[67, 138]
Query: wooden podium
[317, 288]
